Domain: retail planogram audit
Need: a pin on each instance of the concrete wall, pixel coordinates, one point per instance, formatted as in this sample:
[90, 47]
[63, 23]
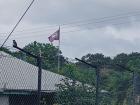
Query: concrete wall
[4, 100]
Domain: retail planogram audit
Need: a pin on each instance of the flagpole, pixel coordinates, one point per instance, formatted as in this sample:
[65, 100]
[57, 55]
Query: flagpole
[59, 52]
[56, 36]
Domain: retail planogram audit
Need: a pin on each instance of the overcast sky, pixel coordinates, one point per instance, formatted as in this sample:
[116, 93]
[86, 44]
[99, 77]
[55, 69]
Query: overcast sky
[105, 26]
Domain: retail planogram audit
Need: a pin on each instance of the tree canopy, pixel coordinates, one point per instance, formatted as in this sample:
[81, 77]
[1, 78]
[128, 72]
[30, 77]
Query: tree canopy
[49, 54]
[117, 82]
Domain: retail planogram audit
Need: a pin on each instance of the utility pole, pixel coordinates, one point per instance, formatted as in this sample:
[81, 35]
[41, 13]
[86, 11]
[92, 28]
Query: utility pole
[133, 91]
[97, 86]
[97, 79]
[39, 60]
[39, 78]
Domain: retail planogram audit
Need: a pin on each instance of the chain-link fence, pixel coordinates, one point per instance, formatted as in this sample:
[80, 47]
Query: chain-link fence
[19, 83]
[73, 85]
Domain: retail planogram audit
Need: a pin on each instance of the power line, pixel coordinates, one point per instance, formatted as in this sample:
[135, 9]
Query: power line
[134, 13]
[95, 26]
[95, 20]
[17, 23]
[75, 30]
[40, 33]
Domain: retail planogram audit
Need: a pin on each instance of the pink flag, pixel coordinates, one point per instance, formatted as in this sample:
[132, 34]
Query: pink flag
[54, 36]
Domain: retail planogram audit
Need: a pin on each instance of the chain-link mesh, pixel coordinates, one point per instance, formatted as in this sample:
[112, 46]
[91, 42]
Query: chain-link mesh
[121, 92]
[77, 86]
[19, 83]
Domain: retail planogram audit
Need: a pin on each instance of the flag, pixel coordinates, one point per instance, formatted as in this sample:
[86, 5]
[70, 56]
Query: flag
[54, 36]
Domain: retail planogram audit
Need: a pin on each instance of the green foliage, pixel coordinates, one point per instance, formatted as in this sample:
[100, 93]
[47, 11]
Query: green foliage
[117, 81]
[78, 87]
[134, 65]
[49, 55]
[96, 59]
[77, 73]
[121, 59]
[4, 49]
[73, 92]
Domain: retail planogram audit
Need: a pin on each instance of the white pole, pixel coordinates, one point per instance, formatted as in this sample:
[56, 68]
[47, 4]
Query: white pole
[59, 51]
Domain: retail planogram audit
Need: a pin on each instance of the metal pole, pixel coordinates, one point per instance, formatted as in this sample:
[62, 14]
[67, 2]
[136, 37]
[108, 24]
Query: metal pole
[97, 79]
[39, 60]
[59, 52]
[97, 86]
[133, 100]
[39, 78]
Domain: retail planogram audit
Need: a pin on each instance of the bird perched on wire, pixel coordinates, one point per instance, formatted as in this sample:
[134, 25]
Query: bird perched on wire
[14, 43]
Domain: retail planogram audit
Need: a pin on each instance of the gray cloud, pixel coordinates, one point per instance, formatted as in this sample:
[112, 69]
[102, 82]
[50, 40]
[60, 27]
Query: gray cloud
[57, 12]
[99, 41]
[110, 39]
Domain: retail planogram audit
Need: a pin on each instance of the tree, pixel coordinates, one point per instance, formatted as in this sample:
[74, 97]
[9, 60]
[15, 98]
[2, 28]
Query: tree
[121, 59]
[111, 79]
[96, 59]
[4, 49]
[135, 66]
[49, 55]
[74, 92]
[78, 88]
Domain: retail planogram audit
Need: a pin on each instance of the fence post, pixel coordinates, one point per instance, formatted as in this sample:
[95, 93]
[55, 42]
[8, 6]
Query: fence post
[38, 58]
[39, 78]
